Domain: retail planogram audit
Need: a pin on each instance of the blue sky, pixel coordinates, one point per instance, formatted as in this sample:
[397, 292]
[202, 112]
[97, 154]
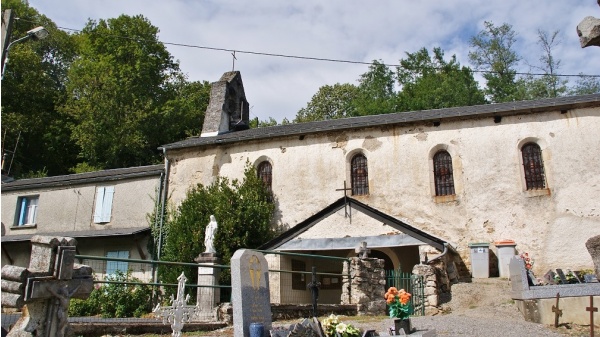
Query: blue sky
[337, 29]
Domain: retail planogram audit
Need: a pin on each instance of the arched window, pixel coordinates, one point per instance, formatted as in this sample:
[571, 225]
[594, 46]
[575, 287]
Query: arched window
[442, 172]
[265, 171]
[533, 166]
[360, 175]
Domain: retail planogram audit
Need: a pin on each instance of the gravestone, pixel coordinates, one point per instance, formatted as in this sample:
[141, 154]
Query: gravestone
[306, 328]
[562, 276]
[549, 277]
[250, 291]
[593, 247]
[46, 287]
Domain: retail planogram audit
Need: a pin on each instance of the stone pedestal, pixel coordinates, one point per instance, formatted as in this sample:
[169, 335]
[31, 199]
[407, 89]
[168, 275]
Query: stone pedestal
[208, 296]
[366, 288]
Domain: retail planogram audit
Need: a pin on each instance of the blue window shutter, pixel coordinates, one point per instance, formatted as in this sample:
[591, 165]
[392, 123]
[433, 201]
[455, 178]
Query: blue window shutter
[23, 212]
[109, 191]
[99, 204]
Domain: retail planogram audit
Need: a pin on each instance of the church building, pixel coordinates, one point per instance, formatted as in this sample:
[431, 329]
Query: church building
[414, 186]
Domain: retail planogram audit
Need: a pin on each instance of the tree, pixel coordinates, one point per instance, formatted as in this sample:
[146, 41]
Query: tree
[330, 102]
[376, 94]
[585, 85]
[34, 135]
[493, 52]
[243, 212]
[430, 82]
[548, 85]
[116, 91]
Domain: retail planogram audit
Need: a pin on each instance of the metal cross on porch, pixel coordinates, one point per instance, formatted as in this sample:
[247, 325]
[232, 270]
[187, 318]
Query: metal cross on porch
[178, 313]
[557, 311]
[347, 213]
[592, 310]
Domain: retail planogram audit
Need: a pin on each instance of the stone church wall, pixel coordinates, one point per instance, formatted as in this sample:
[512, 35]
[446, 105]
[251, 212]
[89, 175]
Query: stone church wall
[490, 203]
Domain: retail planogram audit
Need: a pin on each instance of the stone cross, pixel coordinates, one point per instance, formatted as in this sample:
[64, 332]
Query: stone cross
[178, 313]
[46, 287]
[314, 289]
[557, 312]
[592, 310]
[362, 250]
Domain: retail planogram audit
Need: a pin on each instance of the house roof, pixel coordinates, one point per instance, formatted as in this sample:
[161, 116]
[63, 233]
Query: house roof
[437, 115]
[84, 178]
[111, 232]
[410, 231]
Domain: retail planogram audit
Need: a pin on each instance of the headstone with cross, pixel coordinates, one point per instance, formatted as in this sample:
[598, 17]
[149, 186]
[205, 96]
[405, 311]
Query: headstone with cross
[46, 287]
[557, 311]
[362, 250]
[179, 312]
[592, 310]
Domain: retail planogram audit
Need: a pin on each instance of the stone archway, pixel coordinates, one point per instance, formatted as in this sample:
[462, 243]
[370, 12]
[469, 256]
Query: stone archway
[388, 263]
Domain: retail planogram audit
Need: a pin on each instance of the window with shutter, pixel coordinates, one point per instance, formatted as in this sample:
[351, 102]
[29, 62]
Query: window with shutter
[113, 266]
[27, 210]
[104, 199]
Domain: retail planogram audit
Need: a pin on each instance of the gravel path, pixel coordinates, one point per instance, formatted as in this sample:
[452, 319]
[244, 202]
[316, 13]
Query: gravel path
[480, 308]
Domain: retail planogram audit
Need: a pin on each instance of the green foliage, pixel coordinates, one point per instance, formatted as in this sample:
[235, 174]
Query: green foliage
[493, 51]
[32, 89]
[126, 95]
[586, 85]
[84, 167]
[243, 212]
[115, 300]
[376, 93]
[330, 102]
[430, 82]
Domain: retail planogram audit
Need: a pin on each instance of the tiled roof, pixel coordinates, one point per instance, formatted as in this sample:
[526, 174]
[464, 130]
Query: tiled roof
[80, 234]
[476, 111]
[84, 178]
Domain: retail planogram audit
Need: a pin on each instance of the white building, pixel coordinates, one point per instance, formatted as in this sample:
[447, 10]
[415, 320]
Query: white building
[527, 171]
[106, 211]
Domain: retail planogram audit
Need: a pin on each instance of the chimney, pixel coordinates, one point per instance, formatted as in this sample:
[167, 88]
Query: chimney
[228, 108]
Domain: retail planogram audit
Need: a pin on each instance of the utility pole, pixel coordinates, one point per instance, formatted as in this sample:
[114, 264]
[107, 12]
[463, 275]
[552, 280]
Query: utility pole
[8, 18]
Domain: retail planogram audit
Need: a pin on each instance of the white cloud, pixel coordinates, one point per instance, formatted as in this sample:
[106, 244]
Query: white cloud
[337, 29]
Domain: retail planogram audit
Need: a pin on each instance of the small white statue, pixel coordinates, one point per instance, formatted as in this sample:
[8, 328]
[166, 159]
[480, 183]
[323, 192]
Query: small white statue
[209, 235]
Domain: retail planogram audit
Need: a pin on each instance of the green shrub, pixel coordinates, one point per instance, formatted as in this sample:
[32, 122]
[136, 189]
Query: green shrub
[115, 299]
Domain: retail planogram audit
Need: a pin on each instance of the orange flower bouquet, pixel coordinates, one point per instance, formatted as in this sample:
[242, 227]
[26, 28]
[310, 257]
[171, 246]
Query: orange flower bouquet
[399, 303]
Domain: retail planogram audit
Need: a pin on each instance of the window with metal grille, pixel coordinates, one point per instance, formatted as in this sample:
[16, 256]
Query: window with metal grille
[442, 172]
[359, 175]
[265, 174]
[533, 166]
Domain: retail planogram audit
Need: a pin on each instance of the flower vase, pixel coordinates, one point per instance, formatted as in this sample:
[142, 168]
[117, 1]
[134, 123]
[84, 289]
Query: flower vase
[402, 324]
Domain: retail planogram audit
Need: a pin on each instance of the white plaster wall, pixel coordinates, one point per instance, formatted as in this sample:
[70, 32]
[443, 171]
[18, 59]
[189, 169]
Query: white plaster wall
[72, 208]
[490, 204]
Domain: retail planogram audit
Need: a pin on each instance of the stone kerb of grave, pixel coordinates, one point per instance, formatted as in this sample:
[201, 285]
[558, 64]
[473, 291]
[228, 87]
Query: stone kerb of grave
[535, 302]
[45, 288]
[250, 292]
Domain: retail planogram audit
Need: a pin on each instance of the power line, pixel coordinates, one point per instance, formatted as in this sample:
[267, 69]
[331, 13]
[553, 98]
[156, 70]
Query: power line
[309, 58]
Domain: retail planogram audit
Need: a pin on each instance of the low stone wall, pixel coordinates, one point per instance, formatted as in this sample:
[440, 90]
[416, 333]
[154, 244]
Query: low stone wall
[366, 287]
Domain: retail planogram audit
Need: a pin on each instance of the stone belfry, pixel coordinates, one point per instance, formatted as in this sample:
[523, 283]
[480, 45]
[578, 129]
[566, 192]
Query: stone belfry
[228, 108]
